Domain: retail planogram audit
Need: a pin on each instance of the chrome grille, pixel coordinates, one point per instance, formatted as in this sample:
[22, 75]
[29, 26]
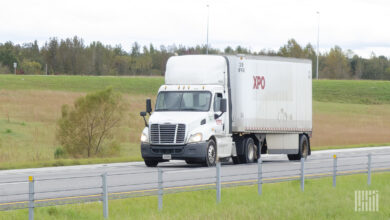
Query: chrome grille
[167, 133]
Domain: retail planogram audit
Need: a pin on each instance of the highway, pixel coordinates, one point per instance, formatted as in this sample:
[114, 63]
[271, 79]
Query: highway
[67, 184]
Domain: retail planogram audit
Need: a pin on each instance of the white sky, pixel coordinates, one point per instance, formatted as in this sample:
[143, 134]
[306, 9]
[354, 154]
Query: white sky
[359, 25]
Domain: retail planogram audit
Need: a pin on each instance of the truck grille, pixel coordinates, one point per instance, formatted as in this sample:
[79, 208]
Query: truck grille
[167, 133]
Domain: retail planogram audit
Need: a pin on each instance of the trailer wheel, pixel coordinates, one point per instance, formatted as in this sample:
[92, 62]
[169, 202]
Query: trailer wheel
[250, 151]
[211, 156]
[303, 149]
[304, 143]
[151, 163]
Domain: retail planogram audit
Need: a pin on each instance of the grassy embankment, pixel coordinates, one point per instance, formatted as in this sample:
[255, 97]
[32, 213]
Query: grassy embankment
[278, 201]
[346, 114]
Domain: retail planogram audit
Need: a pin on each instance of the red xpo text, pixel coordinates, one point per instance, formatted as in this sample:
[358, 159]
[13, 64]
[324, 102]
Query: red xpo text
[258, 82]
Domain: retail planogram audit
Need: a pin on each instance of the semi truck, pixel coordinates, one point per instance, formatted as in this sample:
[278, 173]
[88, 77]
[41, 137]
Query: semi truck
[216, 108]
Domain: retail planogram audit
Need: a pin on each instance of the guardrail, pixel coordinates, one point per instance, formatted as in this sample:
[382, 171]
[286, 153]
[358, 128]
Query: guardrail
[110, 186]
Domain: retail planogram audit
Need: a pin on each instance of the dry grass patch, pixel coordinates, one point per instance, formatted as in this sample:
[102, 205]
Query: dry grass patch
[337, 124]
[28, 124]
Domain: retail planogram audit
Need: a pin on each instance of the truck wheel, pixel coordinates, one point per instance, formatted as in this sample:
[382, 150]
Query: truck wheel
[250, 151]
[151, 163]
[236, 160]
[211, 154]
[303, 149]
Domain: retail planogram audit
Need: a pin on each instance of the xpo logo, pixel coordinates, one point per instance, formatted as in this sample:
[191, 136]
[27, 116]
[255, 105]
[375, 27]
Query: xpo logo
[258, 82]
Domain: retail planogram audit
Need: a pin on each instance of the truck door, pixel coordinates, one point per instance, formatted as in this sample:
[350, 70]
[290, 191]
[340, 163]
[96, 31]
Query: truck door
[221, 130]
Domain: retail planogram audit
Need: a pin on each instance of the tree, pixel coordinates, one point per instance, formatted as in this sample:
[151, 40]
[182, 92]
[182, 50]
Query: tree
[292, 49]
[87, 128]
[336, 65]
[31, 67]
[7, 55]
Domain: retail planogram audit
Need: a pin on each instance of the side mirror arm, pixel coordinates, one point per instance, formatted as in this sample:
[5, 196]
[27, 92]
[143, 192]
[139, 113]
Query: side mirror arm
[143, 114]
[216, 116]
[146, 123]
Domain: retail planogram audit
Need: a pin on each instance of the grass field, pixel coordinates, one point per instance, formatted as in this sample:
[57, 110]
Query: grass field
[346, 113]
[278, 201]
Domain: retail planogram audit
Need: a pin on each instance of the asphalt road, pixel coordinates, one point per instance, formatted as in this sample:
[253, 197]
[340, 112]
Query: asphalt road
[68, 184]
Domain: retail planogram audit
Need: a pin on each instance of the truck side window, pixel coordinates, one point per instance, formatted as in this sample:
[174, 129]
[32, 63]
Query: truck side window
[217, 102]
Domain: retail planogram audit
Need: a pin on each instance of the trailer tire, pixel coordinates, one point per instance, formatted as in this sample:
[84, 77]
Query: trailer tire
[250, 151]
[303, 149]
[211, 155]
[151, 163]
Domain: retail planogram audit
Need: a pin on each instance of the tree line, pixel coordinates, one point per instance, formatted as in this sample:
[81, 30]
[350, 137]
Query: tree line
[71, 56]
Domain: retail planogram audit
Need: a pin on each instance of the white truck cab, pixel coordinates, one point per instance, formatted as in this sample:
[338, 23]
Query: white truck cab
[202, 112]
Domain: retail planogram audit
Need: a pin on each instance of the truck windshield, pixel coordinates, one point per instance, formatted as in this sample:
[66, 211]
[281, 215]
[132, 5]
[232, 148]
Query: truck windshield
[183, 101]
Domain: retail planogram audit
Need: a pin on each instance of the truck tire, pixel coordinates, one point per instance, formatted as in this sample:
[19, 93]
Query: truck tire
[303, 149]
[250, 151]
[236, 160]
[211, 153]
[151, 163]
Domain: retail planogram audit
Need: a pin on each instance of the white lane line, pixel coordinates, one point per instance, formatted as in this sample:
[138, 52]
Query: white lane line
[7, 184]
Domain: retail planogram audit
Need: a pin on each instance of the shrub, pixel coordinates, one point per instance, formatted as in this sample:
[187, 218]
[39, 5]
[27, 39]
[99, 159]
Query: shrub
[31, 67]
[87, 128]
[59, 153]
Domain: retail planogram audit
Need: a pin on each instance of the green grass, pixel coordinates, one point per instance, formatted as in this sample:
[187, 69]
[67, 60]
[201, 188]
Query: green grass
[131, 85]
[278, 201]
[352, 91]
[340, 91]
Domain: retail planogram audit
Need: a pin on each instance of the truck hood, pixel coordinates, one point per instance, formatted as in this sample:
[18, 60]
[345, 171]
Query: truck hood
[191, 119]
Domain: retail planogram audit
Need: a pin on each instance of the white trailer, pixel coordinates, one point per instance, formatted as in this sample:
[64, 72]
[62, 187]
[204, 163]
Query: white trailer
[220, 107]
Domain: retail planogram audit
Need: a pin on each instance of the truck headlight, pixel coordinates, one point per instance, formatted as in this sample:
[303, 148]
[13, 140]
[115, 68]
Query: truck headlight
[144, 137]
[195, 137]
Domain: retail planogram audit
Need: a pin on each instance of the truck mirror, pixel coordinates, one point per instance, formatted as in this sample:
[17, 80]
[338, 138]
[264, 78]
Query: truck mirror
[143, 114]
[148, 106]
[223, 105]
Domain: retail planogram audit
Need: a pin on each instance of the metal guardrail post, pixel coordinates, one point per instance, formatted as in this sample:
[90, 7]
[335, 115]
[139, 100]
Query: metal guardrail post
[218, 183]
[105, 195]
[259, 176]
[334, 170]
[369, 170]
[160, 189]
[30, 197]
[303, 174]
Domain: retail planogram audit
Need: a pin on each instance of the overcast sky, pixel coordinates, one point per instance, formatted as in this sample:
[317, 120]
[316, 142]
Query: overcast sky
[359, 25]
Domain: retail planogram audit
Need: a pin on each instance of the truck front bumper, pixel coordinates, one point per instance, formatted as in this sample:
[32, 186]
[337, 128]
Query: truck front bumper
[193, 151]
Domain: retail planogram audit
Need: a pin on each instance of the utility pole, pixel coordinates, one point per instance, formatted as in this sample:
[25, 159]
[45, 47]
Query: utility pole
[208, 15]
[318, 40]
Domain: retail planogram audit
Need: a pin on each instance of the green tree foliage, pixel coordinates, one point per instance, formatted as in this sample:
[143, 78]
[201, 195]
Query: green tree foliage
[4, 69]
[336, 65]
[72, 56]
[31, 67]
[87, 129]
